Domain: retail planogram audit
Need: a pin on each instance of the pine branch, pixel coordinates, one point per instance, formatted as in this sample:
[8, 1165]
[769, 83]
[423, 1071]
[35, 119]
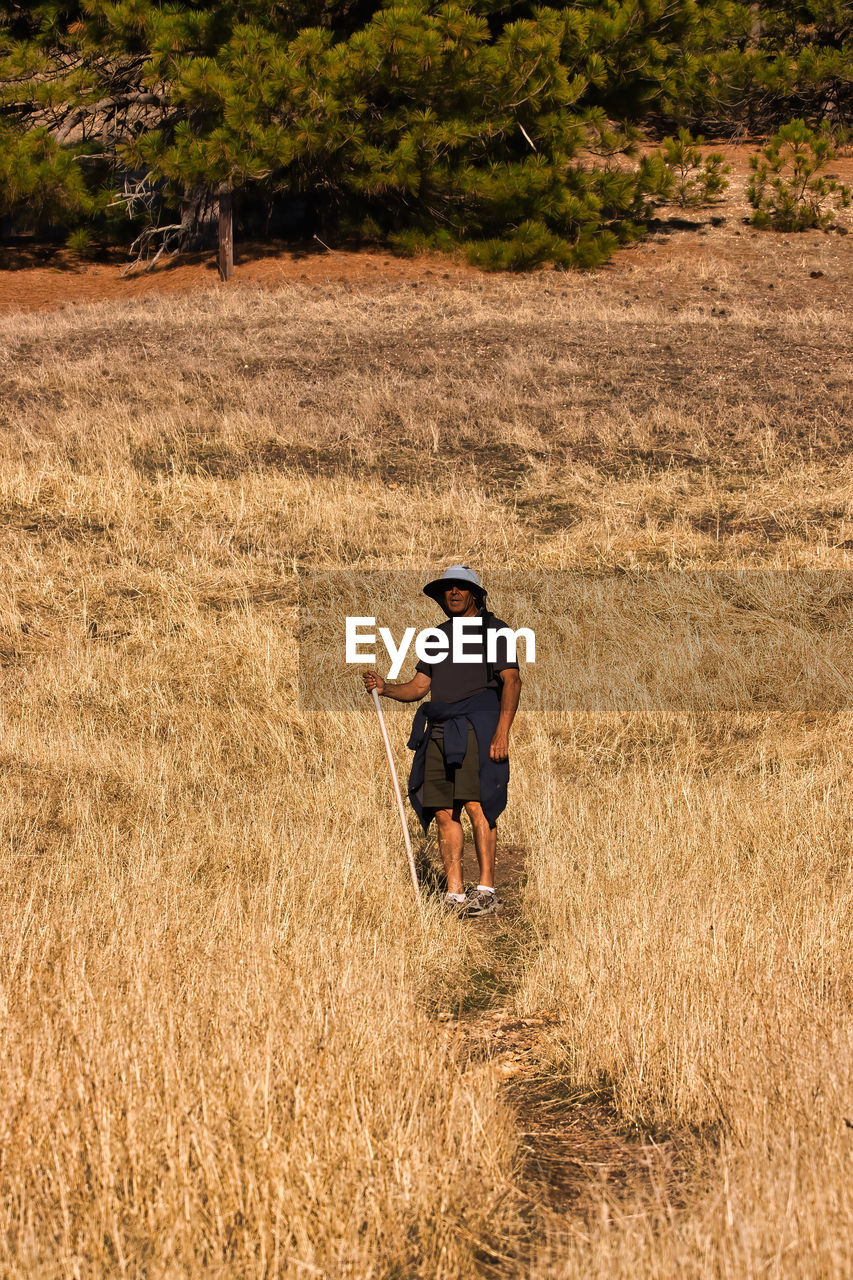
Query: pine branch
[92, 110]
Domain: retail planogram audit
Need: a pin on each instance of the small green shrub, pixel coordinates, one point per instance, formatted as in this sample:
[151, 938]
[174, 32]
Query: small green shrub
[80, 241]
[786, 190]
[695, 179]
[529, 246]
[412, 241]
[533, 244]
[593, 248]
[368, 230]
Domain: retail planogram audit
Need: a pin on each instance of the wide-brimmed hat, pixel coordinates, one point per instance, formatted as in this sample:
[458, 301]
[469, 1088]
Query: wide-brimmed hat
[459, 575]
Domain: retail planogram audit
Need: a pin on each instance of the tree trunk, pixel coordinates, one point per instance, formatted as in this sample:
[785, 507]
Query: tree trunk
[226, 232]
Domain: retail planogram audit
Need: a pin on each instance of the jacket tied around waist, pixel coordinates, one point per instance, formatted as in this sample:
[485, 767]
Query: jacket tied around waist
[481, 712]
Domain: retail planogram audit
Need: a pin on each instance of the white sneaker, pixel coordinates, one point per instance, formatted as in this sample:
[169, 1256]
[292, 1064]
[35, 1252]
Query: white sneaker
[480, 902]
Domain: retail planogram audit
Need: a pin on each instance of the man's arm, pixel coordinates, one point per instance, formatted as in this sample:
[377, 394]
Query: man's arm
[510, 693]
[412, 691]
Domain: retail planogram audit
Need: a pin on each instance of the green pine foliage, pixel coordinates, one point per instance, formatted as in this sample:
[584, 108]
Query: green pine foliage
[754, 67]
[787, 190]
[507, 131]
[490, 153]
[421, 121]
[633, 54]
[696, 180]
[80, 242]
[39, 181]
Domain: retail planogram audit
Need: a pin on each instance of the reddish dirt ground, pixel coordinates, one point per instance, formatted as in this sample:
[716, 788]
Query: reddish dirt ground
[43, 278]
[686, 252]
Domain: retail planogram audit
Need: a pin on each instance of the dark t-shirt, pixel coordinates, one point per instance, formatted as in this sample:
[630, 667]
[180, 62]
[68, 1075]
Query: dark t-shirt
[452, 681]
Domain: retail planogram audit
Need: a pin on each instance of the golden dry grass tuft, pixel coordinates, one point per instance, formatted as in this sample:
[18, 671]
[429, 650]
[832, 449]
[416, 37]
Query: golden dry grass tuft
[220, 1050]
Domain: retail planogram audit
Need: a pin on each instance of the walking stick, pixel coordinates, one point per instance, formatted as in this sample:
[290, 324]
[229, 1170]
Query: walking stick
[397, 793]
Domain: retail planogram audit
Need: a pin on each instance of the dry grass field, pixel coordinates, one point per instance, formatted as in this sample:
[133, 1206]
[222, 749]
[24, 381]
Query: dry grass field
[229, 1044]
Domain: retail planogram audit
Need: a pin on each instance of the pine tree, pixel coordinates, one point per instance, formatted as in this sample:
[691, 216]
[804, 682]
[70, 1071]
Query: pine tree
[502, 128]
[757, 66]
[413, 121]
[788, 191]
[97, 76]
[469, 137]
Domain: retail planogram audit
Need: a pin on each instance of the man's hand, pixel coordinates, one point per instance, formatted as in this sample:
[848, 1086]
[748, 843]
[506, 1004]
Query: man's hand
[412, 691]
[499, 750]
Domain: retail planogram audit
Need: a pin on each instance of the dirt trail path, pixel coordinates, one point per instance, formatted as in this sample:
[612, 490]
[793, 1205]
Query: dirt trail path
[576, 1153]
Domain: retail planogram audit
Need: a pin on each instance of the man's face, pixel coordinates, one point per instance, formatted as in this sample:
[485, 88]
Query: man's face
[458, 602]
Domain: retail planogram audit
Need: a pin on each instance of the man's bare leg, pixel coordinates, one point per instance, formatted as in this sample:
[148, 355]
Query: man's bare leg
[450, 843]
[485, 842]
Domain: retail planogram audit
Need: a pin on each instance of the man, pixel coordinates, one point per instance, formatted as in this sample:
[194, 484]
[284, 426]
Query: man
[461, 736]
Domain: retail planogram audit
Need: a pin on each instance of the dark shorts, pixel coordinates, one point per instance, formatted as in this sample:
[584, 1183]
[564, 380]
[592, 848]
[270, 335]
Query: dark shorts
[446, 785]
